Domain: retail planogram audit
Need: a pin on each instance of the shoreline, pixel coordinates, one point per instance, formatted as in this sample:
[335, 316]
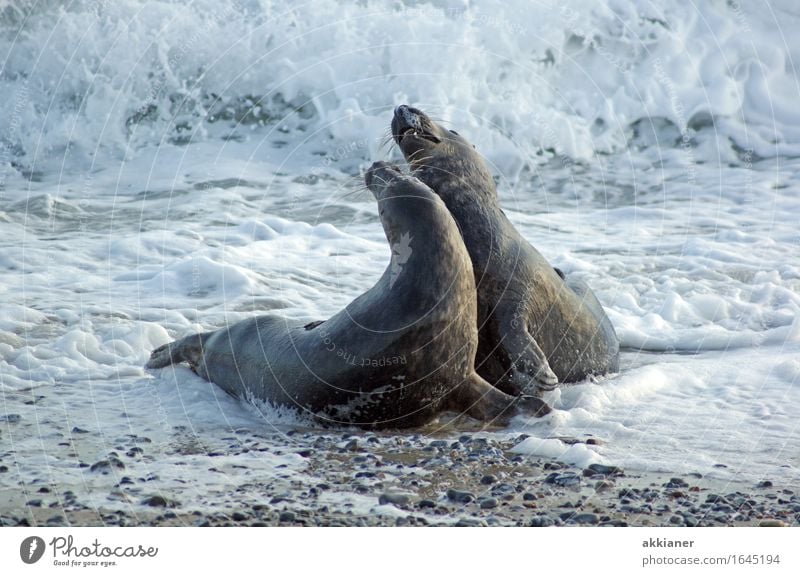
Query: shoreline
[365, 479]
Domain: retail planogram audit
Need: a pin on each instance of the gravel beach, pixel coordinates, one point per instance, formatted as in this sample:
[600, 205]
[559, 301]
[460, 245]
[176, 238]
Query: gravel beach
[369, 479]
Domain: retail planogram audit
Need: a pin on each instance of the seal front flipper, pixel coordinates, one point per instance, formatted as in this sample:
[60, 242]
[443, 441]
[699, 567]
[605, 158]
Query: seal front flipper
[478, 399]
[530, 371]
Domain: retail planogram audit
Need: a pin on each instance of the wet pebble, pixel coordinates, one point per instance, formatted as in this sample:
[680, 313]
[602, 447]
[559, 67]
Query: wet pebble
[467, 522]
[565, 479]
[690, 520]
[426, 504]
[716, 499]
[395, 499]
[460, 496]
[771, 523]
[158, 501]
[105, 466]
[488, 479]
[503, 488]
[541, 522]
[585, 518]
[287, 516]
[602, 470]
[488, 503]
[676, 483]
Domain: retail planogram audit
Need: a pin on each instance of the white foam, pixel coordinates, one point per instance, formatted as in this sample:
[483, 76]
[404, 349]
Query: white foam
[119, 231]
[568, 76]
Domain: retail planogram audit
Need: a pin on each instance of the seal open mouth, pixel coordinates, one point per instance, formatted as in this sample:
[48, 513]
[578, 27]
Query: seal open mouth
[409, 121]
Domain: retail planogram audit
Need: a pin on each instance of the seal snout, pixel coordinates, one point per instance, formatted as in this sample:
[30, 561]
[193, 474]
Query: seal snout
[406, 119]
[406, 116]
[380, 175]
[412, 122]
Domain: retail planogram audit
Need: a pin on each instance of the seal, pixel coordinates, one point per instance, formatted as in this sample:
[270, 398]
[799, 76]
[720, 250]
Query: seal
[537, 327]
[395, 357]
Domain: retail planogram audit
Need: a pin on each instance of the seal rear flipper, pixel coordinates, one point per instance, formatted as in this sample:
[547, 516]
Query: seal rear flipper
[189, 350]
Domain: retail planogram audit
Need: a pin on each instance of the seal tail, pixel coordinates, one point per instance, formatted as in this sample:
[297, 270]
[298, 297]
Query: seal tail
[189, 350]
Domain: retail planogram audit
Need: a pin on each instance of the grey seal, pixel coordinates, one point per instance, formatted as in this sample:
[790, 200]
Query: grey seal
[537, 327]
[395, 357]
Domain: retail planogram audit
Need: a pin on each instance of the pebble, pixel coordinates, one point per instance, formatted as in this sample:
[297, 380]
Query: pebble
[716, 499]
[488, 479]
[460, 496]
[676, 483]
[564, 479]
[466, 522]
[426, 504]
[602, 470]
[11, 418]
[585, 518]
[603, 486]
[3, 468]
[488, 503]
[105, 466]
[158, 502]
[529, 497]
[287, 516]
[771, 523]
[394, 499]
[541, 522]
[690, 520]
[77, 430]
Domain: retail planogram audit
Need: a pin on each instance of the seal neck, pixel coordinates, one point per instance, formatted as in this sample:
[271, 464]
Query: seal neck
[423, 238]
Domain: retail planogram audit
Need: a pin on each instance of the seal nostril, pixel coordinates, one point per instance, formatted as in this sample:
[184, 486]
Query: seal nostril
[406, 116]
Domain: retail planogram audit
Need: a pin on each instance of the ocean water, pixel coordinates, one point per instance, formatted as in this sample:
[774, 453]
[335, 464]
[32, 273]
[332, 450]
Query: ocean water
[169, 168]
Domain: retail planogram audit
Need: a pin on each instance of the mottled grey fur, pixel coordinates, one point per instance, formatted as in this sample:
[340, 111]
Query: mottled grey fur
[536, 327]
[422, 310]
